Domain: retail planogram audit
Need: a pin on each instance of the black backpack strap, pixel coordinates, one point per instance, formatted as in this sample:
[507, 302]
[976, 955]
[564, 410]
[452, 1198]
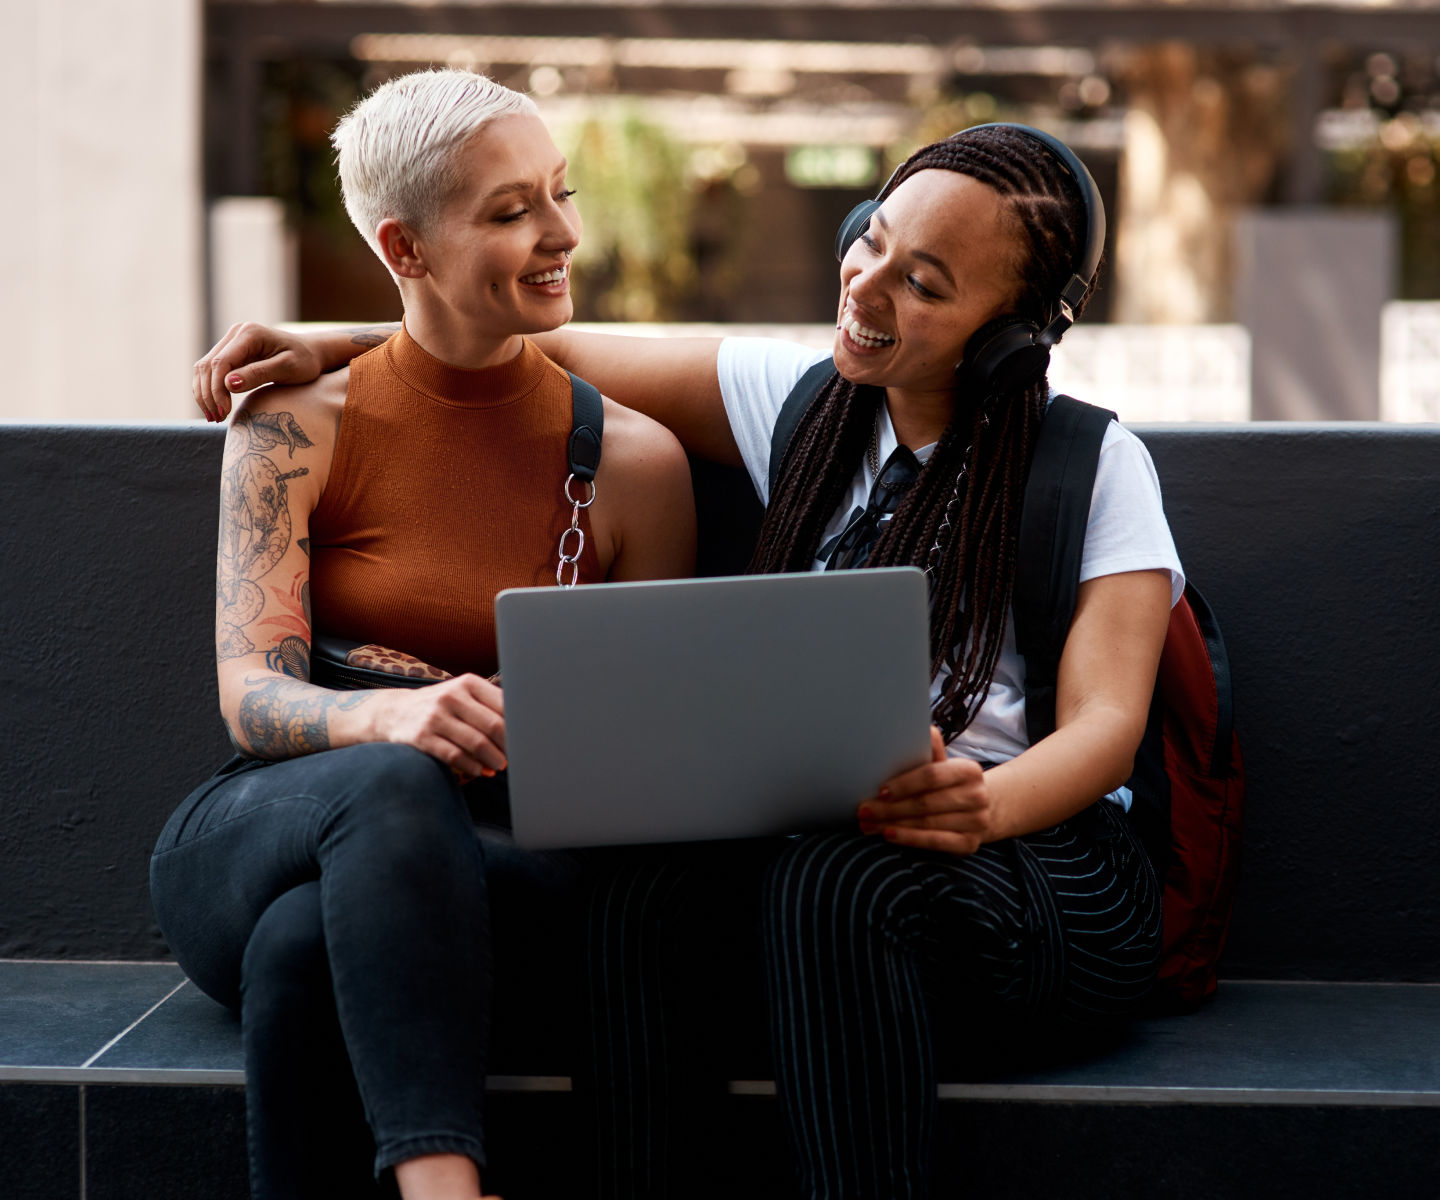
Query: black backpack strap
[587, 428]
[1220, 754]
[801, 396]
[1052, 542]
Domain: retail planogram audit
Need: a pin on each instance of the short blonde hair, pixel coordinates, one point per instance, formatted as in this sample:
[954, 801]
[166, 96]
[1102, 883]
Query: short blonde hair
[396, 148]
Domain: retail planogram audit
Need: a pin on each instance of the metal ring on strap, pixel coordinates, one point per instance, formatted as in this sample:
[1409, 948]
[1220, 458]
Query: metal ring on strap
[567, 559]
[571, 499]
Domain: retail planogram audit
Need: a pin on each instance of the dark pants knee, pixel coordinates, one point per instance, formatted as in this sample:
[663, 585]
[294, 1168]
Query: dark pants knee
[385, 823]
[306, 1124]
[286, 952]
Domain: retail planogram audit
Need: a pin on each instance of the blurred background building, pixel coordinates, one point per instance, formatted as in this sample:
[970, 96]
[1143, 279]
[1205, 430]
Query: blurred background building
[1269, 167]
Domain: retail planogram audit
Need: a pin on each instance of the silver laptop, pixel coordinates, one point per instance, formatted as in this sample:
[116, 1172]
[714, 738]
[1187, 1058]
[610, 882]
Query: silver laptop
[694, 709]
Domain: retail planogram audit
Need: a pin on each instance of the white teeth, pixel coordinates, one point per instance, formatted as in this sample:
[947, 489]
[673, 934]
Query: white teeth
[554, 276]
[864, 335]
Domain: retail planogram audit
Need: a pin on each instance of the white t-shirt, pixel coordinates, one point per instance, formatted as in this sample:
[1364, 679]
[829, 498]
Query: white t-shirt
[1127, 530]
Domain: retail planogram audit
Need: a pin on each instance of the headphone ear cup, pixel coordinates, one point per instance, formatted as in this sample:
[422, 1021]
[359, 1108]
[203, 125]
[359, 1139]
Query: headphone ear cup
[853, 226]
[1003, 356]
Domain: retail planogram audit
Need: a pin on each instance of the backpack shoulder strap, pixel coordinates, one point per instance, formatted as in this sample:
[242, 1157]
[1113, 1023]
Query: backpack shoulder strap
[1053, 520]
[1220, 753]
[587, 428]
[801, 396]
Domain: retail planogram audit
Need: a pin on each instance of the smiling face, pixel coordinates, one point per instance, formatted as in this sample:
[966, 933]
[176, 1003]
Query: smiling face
[498, 256]
[939, 260]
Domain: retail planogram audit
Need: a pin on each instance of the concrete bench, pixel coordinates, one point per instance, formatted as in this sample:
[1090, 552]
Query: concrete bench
[1316, 1069]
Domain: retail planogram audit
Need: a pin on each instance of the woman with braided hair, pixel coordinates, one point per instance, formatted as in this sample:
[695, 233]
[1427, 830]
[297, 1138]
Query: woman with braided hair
[998, 892]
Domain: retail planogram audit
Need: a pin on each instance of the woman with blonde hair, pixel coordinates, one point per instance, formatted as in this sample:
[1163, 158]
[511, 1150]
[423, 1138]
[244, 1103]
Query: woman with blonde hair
[329, 881]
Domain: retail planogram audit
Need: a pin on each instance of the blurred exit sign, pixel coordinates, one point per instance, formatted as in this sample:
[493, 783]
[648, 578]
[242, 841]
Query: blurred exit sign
[831, 166]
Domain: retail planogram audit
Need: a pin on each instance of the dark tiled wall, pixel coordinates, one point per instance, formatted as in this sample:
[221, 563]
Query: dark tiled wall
[1317, 546]
[187, 1143]
[39, 1141]
[126, 1143]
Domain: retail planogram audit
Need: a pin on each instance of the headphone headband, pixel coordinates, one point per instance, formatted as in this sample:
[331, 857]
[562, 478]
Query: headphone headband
[1084, 271]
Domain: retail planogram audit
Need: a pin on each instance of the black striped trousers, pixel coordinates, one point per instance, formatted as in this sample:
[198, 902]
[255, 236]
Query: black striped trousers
[869, 947]
[674, 972]
[872, 955]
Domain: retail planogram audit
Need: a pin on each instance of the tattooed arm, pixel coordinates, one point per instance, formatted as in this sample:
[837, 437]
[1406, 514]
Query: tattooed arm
[277, 456]
[283, 718]
[277, 459]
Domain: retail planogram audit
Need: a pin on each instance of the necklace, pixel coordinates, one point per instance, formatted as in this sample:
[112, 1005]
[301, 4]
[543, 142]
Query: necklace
[872, 460]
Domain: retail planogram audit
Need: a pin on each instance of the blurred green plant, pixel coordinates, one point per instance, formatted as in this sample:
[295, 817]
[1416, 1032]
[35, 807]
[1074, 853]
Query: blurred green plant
[634, 262]
[301, 102]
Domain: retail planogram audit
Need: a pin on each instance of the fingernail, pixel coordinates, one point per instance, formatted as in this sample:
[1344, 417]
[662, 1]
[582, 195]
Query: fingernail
[866, 813]
[233, 381]
[884, 793]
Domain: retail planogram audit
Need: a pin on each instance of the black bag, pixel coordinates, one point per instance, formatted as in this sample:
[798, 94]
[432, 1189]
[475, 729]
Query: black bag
[330, 667]
[329, 656]
[1188, 787]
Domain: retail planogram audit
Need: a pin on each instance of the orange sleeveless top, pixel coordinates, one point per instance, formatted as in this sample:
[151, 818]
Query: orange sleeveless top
[445, 489]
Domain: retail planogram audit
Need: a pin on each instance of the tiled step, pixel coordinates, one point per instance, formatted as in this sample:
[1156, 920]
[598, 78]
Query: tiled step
[1274, 1089]
[1257, 1043]
[53, 1017]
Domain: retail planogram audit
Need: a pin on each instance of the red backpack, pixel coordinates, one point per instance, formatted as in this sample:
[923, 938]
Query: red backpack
[1189, 782]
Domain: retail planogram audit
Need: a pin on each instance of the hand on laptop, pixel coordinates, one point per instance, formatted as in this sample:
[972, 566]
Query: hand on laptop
[461, 722]
[944, 805]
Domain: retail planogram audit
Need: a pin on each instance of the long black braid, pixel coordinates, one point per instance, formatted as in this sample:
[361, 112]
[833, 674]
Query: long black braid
[961, 518]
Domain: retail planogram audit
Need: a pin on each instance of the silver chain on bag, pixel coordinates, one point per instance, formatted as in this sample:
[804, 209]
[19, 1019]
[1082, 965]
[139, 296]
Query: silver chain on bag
[573, 560]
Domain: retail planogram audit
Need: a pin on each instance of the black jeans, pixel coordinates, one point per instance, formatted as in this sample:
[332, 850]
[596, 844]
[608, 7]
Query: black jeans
[342, 902]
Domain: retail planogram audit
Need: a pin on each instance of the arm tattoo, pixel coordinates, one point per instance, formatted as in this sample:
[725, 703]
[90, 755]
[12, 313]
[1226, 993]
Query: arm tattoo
[375, 335]
[254, 522]
[291, 657]
[283, 718]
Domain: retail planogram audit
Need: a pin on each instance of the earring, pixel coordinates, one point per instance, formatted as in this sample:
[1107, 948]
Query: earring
[494, 287]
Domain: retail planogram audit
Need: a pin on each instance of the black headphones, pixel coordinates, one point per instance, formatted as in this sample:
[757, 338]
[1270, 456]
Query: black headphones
[1011, 352]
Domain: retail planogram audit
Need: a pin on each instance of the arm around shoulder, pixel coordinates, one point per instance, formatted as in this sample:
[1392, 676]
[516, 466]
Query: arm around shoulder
[674, 381]
[250, 355]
